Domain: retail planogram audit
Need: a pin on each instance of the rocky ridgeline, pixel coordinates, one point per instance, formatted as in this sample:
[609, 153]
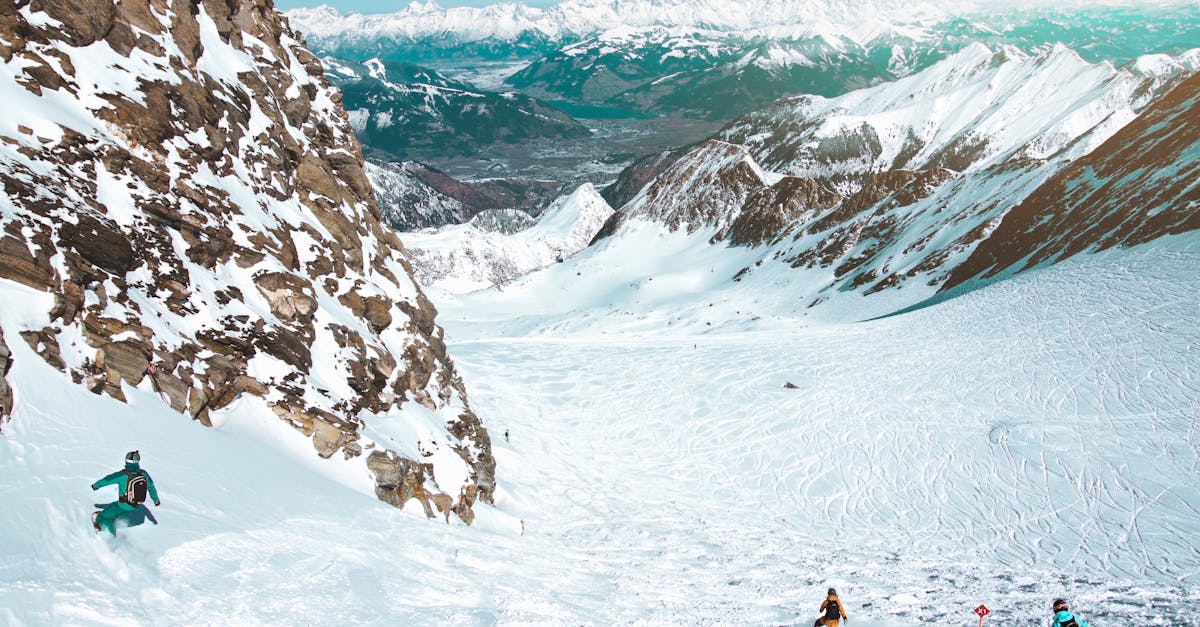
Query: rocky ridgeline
[183, 180]
[933, 180]
[1137, 186]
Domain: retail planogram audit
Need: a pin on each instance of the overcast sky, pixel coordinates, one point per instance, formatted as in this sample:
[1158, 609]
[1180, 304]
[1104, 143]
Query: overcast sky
[388, 6]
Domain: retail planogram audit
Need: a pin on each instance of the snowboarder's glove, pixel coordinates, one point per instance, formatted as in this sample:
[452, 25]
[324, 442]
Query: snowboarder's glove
[157, 503]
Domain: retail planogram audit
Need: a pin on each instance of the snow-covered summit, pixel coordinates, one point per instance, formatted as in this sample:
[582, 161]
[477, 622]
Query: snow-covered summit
[870, 202]
[858, 19]
[977, 108]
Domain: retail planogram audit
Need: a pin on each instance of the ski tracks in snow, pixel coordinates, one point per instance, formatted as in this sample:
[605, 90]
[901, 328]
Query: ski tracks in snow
[1033, 440]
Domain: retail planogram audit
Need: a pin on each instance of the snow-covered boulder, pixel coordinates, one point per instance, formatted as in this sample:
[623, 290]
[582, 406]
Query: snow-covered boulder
[181, 178]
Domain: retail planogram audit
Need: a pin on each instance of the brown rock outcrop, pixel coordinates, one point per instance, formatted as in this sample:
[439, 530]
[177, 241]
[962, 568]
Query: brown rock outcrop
[1137, 186]
[6, 398]
[399, 480]
[770, 212]
[707, 187]
[209, 231]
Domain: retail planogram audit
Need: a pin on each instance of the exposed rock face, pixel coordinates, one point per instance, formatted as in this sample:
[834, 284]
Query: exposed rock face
[707, 187]
[976, 167]
[6, 399]
[414, 196]
[1139, 185]
[770, 212]
[637, 175]
[181, 177]
[461, 258]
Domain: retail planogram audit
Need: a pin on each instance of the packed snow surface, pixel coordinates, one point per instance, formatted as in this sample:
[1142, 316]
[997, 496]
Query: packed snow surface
[1033, 439]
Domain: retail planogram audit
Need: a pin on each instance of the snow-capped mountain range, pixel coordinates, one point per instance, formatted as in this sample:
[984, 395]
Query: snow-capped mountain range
[872, 202]
[705, 59]
[974, 110]
[580, 18]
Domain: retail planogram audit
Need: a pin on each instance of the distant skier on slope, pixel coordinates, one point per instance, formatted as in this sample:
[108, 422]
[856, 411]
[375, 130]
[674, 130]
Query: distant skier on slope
[1064, 618]
[833, 611]
[133, 485]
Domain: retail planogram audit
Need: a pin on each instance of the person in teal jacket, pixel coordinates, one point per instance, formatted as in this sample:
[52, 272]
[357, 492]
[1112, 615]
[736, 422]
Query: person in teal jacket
[133, 485]
[1064, 618]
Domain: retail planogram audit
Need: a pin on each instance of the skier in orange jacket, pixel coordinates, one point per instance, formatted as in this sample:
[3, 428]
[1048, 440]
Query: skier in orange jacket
[833, 610]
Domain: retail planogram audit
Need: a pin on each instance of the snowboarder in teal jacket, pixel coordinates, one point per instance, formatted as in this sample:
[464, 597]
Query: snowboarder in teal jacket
[133, 484]
[1064, 618]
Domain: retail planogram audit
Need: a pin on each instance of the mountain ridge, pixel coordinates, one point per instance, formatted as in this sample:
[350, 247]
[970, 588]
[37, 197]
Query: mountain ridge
[182, 186]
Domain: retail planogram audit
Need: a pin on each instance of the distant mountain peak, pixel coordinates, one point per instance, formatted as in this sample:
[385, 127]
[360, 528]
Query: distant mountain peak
[854, 19]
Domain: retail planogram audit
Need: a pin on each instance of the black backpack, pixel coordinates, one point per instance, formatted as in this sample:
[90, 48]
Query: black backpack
[135, 487]
[1070, 622]
[833, 610]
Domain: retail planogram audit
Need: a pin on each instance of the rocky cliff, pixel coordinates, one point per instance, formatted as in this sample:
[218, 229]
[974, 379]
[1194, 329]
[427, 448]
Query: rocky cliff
[986, 163]
[413, 196]
[6, 400]
[182, 178]
[1139, 185]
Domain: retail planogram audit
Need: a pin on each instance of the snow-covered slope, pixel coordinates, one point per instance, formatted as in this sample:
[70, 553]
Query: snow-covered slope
[1031, 440]
[466, 257]
[978, 108]
[1141, 184]
[184, 212]
[888, 189]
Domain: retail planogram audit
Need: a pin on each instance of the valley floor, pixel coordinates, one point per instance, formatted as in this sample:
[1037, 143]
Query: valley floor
[1035, 439]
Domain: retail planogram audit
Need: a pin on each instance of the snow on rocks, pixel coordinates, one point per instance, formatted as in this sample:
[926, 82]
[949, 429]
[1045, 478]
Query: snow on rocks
[184, 182]
[1139, 185]
[887, 190]
[467, 257]
[6, 397]
[972, 110]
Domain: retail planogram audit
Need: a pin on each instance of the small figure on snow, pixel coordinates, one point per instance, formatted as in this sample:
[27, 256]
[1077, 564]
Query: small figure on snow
[133, 485]
[833, 610]
[1064, 618]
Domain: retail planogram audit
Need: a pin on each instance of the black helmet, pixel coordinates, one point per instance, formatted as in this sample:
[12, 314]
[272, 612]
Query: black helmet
[1059, 605]
[832, 592]
[133, 457]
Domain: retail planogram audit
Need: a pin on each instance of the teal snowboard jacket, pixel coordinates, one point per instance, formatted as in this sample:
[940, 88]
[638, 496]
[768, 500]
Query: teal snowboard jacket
[1065, 616]
[118, 479]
